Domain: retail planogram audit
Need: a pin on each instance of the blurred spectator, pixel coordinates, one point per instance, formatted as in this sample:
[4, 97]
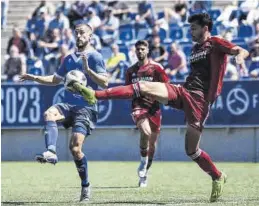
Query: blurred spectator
[4, 9]
[177, 14]
[177, 65]
[254, 67]
[64, 51]
[145, 14]
[41, 25]
[92, 19]
[14, 65]
[150, 36]
[121, 9]
[60, 22]
[108, 31]
[197, 6]
[246, 7]
[231, 72]
[77, 12]
[50, 9]
[69, 39]
[113, 63]
[98, 7]
[132, 55]
[51, 50]
[96, 42]
[157, 51]
[64, 6]
[19, 41]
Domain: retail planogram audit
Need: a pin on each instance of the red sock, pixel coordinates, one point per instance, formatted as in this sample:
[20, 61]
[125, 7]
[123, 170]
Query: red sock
[206, 164]
[120, 92]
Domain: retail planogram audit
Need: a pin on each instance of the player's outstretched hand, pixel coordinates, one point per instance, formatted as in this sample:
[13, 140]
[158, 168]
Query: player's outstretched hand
[25, 77]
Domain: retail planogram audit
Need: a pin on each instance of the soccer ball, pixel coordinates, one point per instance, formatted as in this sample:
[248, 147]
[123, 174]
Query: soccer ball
[74, 75]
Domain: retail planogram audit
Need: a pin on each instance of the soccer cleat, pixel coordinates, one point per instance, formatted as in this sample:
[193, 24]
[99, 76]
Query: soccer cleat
[142, 169]
[142, 181]
[88, 94]
[217, 187]
[85, 194]
[47, 157]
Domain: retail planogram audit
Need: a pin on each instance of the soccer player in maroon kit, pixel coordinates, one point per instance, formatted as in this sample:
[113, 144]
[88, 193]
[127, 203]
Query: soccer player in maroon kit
[203, 85]
[146, 112]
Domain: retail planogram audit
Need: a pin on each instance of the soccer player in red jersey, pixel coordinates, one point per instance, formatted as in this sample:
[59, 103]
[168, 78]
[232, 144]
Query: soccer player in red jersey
[203, 85]
[146, 112]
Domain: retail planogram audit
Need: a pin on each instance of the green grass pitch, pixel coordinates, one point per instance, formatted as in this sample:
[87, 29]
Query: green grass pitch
[115, 183]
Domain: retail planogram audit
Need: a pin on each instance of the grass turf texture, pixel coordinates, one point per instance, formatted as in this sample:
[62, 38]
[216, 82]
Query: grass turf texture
[115, 183]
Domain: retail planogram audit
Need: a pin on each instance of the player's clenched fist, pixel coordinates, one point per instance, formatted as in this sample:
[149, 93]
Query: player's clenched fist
[25, 77]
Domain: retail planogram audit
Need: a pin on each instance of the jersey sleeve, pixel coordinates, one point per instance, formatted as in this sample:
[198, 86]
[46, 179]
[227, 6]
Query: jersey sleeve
[223, 45]
[96, 63]
[161, 75]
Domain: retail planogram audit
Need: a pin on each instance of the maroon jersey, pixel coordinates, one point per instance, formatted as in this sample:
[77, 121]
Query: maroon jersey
[152, 72]
[208, 64]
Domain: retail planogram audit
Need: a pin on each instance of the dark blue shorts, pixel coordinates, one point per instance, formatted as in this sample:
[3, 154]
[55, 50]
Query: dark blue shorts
[80, 118]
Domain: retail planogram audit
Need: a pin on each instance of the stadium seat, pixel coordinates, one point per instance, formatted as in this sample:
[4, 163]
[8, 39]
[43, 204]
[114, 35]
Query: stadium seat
[125, 50]
[187, 50]
[214, 14]
[106, 52]
[176, 33]
[245, 31]
[142, 33]
[160, 15]
[162, 34]
[126, 34]
[36, 71]
[254, 65]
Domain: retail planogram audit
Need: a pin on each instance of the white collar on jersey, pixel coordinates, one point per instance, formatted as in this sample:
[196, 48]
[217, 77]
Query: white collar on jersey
[77, 55]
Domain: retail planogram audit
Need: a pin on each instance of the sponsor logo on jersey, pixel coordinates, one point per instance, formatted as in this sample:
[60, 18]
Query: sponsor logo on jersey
[147, 79]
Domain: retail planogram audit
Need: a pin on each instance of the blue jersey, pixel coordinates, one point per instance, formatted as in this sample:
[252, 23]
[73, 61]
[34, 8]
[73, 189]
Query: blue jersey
[74, 61]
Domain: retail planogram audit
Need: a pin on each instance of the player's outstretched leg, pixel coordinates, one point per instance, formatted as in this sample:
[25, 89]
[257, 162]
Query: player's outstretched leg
[51, 135]
[80, 160]
[157, 90]
[204, 161]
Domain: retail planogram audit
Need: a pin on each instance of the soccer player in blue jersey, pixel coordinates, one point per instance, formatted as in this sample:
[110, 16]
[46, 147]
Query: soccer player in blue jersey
[74, 112]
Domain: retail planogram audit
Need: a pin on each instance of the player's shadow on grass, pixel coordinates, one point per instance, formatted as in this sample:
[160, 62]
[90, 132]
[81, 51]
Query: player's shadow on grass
[131, 203]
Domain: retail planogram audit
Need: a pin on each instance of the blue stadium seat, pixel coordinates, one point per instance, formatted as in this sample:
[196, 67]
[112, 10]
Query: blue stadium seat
[142, 33]
[126, 34]
[36, 71]
[214, 14]
[245, 31]
[160, 15]
[106, 52]
[187, 50]
[125, 50]
[176, 33]
[162, 34]
[254, 65]
[132, 15]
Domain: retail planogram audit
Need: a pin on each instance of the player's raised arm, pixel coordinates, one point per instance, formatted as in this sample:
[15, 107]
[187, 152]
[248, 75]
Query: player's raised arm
[228, 48]
[97, 74]
[51, 80]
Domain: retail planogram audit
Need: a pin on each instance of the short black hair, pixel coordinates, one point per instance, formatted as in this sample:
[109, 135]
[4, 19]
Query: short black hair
[142, 42]
[203, 19]
[83, 22]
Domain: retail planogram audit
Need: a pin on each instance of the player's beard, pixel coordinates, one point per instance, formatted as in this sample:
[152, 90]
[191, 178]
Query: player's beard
[81, 46]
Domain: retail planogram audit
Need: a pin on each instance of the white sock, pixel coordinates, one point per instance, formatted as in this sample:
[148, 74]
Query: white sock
[144, 159]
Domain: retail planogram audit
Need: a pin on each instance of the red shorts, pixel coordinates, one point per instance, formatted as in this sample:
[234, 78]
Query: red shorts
[140, 114]
[193, 103]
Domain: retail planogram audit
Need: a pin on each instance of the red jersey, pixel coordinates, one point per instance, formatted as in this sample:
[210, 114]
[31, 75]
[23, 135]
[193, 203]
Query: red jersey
[208, 64]
[152, 72]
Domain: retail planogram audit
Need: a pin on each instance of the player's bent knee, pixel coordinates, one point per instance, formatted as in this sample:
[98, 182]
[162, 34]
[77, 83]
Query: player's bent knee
[52, 114]
[75, 151]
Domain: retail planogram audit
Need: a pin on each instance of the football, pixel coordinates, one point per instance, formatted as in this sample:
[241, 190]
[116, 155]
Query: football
[74, 75]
